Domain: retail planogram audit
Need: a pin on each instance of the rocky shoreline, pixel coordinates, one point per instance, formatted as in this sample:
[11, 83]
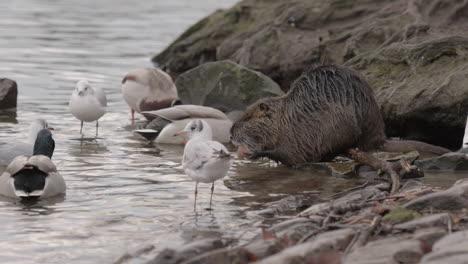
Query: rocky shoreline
[413, 54]
[365, 224]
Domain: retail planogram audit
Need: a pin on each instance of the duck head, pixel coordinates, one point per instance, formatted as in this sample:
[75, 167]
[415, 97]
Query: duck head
[44, 144]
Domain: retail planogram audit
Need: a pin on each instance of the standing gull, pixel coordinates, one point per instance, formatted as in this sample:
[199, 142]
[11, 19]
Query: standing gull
[88, 103]
[204, 160]
[34, 176]
[148, 89]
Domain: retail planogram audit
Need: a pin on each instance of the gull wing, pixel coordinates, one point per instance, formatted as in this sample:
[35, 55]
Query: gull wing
[180, 112]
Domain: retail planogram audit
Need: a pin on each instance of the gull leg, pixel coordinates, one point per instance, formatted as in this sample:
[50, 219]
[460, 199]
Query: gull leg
[81, 130]
[211, 197]
[133, 115]
[97, 126]
[195, 200]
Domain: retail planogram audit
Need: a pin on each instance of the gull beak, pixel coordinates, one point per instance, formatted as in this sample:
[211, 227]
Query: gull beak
[180, 133]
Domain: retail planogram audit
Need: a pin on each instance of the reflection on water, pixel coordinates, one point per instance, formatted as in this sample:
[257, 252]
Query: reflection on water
[122, 192]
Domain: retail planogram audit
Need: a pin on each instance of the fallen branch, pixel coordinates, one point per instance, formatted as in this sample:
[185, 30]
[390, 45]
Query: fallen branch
[385, 166]
[361, 238]
[347, 191]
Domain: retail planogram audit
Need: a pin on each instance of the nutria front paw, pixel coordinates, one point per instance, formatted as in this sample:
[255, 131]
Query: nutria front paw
[254, 155]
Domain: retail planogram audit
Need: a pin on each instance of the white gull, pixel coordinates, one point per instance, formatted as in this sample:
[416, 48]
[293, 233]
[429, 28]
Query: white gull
[168, 121]
[88, 103]
[148, 89]
[204, 160]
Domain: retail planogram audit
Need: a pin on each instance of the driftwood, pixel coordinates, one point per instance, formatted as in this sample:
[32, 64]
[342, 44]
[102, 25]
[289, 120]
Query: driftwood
[394, 169]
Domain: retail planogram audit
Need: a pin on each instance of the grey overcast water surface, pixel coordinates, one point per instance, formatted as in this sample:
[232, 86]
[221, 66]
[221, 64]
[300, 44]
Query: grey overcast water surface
[122, 195]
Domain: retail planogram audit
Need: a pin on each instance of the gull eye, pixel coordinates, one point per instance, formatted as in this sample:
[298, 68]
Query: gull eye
[193, 127]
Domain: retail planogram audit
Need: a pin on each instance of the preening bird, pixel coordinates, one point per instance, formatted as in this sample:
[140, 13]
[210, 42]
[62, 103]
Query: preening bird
[34, 176]
[88, 103]
[148, 89]
[204, 160]
[168, 121]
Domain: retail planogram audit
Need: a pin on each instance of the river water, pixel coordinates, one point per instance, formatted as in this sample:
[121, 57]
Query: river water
[122, 194]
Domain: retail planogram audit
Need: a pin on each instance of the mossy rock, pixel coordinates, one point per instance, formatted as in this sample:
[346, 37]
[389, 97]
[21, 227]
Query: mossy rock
[224, 85]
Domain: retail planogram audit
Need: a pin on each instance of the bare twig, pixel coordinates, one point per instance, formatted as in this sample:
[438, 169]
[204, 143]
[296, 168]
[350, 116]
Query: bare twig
[347, 191]
[369, 159]
[361, 238]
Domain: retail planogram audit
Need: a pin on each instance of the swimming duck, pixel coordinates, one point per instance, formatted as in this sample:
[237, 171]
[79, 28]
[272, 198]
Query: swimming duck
[34, 176]
[168, 121]
[88, 103]
[11, 149]
[204, 160]
[148, 89]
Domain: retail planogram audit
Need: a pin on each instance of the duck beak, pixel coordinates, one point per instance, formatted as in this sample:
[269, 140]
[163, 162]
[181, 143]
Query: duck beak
[180, 133]
[50, 128]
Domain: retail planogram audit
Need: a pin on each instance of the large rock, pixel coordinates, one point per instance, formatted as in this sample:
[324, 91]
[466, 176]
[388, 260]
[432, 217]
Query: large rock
[451, 249]
[224, 85]
[8, 93]
[324, 243]
[453, 199]
[453, 161]
[414, 53]
[186, 252]
[387, 250]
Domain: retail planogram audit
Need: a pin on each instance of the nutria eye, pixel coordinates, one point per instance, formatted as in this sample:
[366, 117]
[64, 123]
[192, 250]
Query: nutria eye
[264, 107]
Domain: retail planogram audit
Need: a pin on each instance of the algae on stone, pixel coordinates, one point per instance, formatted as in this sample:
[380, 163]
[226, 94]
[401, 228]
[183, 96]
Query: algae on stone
[400, 215]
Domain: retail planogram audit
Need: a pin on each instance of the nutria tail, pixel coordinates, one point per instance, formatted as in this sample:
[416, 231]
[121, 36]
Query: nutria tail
[412, 145]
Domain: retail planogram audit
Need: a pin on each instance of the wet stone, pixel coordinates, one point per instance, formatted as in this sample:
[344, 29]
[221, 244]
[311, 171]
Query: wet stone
[316, 220]
[260, 249]
[430, 235]
[441, 219]
[286, 204]
[452, 199]
[387, 250]
[225, 255]
[321, 244]
[453, 161]
[171, 256]
[451, 249]
[8, 93]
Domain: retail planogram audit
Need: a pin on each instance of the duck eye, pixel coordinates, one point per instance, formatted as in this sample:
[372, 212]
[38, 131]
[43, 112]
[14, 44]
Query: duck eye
[193, 127]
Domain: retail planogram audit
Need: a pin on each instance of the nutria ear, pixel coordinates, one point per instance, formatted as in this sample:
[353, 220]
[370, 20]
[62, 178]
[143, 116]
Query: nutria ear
[264, 107]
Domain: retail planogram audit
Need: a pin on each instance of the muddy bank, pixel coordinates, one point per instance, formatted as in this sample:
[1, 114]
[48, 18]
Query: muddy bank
[413, 53]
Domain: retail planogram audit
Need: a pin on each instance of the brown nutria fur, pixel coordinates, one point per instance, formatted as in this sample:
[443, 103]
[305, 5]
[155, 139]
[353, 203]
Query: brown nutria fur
[328, 110]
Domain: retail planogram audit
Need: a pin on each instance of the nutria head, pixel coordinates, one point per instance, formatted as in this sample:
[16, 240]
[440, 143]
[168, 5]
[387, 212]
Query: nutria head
[258, 128]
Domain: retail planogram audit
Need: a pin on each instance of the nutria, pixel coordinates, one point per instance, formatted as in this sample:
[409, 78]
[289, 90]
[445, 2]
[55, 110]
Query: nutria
[328, 110]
